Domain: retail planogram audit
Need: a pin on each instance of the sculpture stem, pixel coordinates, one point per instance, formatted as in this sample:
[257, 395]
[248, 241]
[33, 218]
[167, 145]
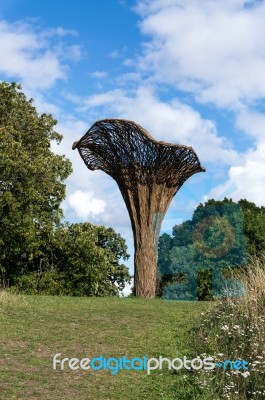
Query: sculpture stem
[146, 206]
[145, 263]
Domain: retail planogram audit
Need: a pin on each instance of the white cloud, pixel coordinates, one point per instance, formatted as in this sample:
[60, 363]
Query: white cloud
[252, 123]
[214, 49]
[102, 99]
[128, 289]
[85, 204]
[42, 104]
[247, 178]
[33, 57]
[74, 53]
[115, 54]
[98, 74]
[62, 32]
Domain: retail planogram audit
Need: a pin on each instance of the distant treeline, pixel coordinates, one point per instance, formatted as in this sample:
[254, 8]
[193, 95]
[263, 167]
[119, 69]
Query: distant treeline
[194, 260]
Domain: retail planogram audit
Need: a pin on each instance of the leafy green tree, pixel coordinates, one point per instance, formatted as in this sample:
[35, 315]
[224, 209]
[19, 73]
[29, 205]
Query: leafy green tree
[227, 226]
[31, 182]
[254, 227]
[84, 260]
[182, 234]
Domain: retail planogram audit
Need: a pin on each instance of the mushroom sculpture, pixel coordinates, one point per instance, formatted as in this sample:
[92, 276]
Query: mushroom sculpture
[148, 173]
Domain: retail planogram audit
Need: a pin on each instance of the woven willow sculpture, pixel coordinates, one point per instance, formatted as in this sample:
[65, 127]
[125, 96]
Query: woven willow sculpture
[148, 173]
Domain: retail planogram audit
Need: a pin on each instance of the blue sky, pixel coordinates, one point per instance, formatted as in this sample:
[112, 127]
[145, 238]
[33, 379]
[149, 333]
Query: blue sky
[189, 71]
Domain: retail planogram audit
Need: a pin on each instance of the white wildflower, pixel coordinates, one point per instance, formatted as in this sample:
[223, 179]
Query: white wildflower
[245, 374]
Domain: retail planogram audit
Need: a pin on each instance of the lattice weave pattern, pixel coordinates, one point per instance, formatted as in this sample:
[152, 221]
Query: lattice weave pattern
[148, 173]
[127, 152]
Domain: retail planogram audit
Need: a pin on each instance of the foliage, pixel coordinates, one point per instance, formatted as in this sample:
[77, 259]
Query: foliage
[83, 260]
[254, 227]
[220, 234]
[31, 183]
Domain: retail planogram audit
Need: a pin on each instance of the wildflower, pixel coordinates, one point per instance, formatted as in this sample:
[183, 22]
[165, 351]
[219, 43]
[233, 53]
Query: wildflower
[225, 328]
[245, 374]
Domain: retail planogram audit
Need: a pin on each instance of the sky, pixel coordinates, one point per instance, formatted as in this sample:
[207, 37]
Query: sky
[189, 71]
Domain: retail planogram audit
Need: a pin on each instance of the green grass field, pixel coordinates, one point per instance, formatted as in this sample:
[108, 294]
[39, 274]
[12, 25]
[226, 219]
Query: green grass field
[34, 328]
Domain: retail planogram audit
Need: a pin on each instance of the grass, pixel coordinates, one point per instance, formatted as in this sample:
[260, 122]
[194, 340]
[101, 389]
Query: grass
[34, 328]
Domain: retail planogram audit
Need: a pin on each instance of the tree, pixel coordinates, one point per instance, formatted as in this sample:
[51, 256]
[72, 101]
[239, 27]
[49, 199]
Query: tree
[87, 256]
[149, 174]
[83, 260]
[220, 234]
[31, 182]
[254, 227]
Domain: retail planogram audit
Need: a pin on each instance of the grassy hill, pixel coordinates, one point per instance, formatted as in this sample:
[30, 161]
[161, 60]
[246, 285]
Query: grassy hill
[34, 328]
